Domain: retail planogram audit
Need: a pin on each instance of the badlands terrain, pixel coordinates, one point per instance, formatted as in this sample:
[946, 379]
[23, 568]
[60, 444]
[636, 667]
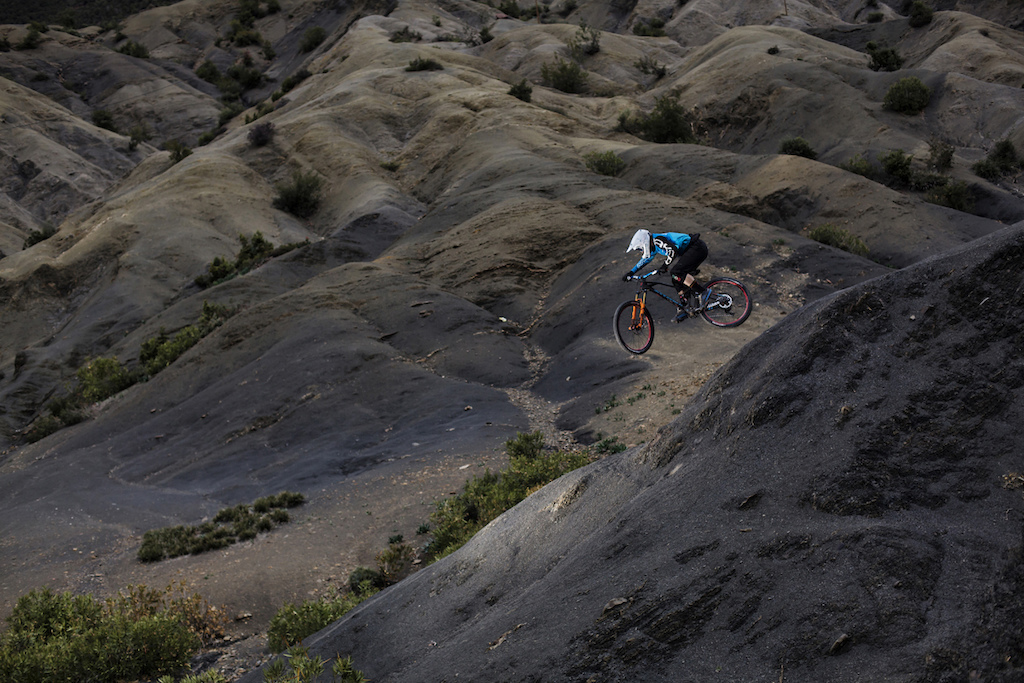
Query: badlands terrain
[826, 493]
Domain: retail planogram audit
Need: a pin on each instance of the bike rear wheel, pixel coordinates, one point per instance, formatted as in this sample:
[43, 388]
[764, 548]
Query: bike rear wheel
[634, 327]
[728, 304]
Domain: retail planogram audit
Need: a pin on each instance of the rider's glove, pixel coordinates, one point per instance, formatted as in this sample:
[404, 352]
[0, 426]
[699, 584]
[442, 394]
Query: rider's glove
[625, 278]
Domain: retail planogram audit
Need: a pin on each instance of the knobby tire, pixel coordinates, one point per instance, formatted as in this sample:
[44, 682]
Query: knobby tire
[735, 314]
[635, 338]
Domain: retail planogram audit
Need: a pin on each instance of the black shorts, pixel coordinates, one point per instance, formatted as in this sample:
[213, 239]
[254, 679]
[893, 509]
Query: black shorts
[689, 261]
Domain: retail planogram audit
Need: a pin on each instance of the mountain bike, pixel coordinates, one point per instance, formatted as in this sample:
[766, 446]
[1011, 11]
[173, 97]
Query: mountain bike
[723, 303]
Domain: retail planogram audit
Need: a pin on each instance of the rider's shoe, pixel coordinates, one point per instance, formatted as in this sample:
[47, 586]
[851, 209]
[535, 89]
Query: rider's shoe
[684, 313]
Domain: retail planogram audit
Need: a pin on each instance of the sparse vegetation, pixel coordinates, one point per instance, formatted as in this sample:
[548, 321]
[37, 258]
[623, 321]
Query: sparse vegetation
[300, 197]
[875, 17]
[522, 90]
[585, 43]
[510, 7]
[406, 35]
[654, 27]
[651, 67]
[1002, 161]
[861, 166]
[940, 156]
[953, 194]
[797, 147]
[104, 119]
[139, 634]
[883, 58]
[421, 64]
[896, 164]
[36, 236]
[455, 520]
[31, 40]
[230, 525]
[292, 624]
[840, 238]
[261, 134]
[565, 75]
[254, 252]
[606, 163]
[907, 96]
[312, 39]
[304, 669]
[920, 14]
[667, 123]
[177, 149]
[138, 134]
[158, 352]
[134, 49]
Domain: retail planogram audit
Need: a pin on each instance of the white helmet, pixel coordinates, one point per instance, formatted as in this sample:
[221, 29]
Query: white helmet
[641, 240]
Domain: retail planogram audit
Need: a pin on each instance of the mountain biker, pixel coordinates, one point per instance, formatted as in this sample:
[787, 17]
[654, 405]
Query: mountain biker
[683, 252]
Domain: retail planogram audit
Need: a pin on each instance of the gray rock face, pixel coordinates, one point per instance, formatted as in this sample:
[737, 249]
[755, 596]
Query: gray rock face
[837, 503]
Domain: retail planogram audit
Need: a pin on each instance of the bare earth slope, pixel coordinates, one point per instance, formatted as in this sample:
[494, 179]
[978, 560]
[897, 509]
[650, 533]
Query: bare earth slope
[833, 505]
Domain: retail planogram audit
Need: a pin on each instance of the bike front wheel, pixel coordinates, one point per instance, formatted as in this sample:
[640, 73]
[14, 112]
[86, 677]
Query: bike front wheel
[634, 327]
[728, 303]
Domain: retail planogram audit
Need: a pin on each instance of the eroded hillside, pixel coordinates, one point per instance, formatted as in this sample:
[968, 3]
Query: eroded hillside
[463, 261]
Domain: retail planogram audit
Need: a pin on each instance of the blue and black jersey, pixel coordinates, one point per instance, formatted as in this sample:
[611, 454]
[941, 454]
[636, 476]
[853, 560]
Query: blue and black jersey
[668, 244]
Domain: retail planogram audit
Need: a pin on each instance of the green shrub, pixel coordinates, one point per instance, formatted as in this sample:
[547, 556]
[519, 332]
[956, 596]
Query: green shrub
[861, 166]
[312, 38]
[920, 14]
[797, 147]
[293, 624]
[455, 520]
[567, 76]
[940, 156]
[301, 197]
[208, 71]
[907, 96]
[835, 236]
[883, 58]
[177, 149]
[649, 27]
[289, 83]
[896, 164]
[31, 40]
[138, 134]
[140, 634]
[406, 35]
[421, 64]
[485, 35]
[522, 90]
[606, 163]
[667, 123]
[158, 352]
[104, 119]
[133, 49]
[954, 194]
[101, 378]
[585, 43]
[36, 236]
[254, 252]
[247, 77]
[230, 525]
[261, 134]
[875, 17]
[651, 67]
[510, 7]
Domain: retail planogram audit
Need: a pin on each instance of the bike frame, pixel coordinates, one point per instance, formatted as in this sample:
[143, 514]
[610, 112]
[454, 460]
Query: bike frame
[641, 294]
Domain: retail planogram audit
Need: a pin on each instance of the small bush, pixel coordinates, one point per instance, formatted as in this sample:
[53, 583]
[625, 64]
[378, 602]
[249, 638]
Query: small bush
[140, 634]
[1001, 161]
[651, 67]
[31, 40]
[36, 236]
[883, 58]
[522, 90]
[567, 76]
[261, 134]
[667, 123]
[104, 119]
[954, 194]
[940, 156]
[773, 50]
[510, 7]
[133, 49]
[861, 166]
[138, 134]
[406, 35]
[247, 77]
[606, 163]
[585, 43]
[177, 149]
[907, 96]
[838, 237]
[649, 27]
[485, 35]
[896, 164]
[875, 17]
[421, 64]
[158, 352]
[293, 624]
[920, 14]
[312, 39]
[797, 147]
[230, 525]
[289, 83]
[301, 197]
[101, 378]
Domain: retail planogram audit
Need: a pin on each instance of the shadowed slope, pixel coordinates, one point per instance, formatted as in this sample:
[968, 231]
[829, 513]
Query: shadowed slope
[829, 507]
